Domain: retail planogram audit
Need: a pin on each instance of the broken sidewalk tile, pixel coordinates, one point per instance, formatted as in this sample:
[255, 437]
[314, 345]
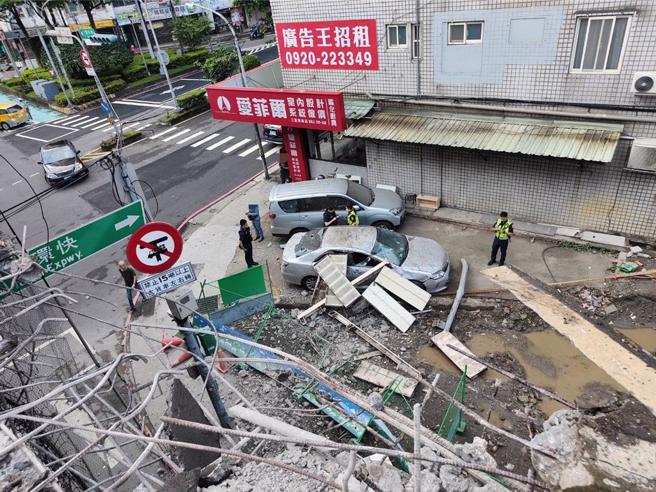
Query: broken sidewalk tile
[336, 281]
[386, 305]
[442, 341]
[331, 299]
[403, 288]
[385, 378]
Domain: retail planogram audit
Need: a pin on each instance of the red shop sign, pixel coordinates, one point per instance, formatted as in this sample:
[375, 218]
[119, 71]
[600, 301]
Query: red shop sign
[331, 45]
[318, 110]
[297, 161]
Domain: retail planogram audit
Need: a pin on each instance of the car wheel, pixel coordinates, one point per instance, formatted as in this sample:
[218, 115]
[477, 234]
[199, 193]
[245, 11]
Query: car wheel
[419, 284]
[297, 230]
[5, 126]
[309, 283]
[383, 224]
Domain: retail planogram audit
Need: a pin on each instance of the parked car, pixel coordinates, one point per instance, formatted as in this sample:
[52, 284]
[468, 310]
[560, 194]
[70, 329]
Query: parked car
[273, 133]
[420, 260]
[298, 207]
[61, 163]
[12, 115]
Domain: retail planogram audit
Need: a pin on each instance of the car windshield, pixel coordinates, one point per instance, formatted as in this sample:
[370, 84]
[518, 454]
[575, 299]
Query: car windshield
[309, 242]
[14, 109]
[57, 155]
[390, 246]
[360, 193]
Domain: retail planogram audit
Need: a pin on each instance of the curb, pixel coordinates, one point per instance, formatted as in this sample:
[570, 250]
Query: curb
[202, 209]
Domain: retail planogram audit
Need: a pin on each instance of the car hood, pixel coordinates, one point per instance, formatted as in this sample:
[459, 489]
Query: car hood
[425, 255]
[61, 167]
[386, 199]
[288, 253]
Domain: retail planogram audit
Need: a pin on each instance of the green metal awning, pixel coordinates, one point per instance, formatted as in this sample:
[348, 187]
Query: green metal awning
[588, 141]
[357, 108]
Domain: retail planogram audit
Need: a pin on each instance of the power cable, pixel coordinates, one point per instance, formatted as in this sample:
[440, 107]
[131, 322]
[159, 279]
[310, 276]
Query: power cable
[544, 259]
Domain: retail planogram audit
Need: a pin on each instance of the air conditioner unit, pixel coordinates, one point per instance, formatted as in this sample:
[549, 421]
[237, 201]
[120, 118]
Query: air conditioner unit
[350, 177]
[182, 303]
[643, 155]
[644, 84]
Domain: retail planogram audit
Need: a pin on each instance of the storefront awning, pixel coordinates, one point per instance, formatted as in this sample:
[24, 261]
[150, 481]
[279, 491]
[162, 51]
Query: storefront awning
[588, 141]
[357, 108]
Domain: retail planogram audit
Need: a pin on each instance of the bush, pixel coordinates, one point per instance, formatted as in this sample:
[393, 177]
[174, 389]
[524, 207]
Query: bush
[85, 94]
[32, 74]
[131, 73]
[14, 82]
[90, 81]
[193, 98]
[195, 56]
[129, 136]
[107, 58]
[219, 64]
[251, 61]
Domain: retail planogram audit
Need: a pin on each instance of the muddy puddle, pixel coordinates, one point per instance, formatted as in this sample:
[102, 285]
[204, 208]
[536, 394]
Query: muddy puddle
[645, 337]
[547, 358]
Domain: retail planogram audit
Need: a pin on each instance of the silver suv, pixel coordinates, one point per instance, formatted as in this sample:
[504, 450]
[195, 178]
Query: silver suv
[299, 207]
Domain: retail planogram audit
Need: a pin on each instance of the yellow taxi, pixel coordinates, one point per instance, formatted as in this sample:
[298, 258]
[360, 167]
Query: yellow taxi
[12, 115]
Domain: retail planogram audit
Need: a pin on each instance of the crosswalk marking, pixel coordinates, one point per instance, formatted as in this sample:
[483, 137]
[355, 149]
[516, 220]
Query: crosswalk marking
[103, 125]
[80, 122]
[267, 154]
[131, 125]
[108, 129]
[145, 126]
[176, 135]
[236, 146]
[220, 142]
[172, 129]
[77, 119]
[88, 124]
[190, 137]
[249, 150]
[206, 139]
[68, 118]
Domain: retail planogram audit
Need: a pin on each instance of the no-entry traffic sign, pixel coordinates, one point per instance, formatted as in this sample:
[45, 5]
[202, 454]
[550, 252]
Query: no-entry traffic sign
[154, 247]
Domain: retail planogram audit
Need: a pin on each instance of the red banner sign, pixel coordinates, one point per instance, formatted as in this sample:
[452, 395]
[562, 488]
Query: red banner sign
[317, 110]
[331, 45]
[299, 169]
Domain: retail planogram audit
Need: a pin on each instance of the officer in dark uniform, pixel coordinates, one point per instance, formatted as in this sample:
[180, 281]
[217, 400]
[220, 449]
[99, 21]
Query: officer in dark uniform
[246, 242]
[329, 217]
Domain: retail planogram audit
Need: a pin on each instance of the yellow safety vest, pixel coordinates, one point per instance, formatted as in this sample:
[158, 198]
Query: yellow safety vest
[352, 218]
[504, 227]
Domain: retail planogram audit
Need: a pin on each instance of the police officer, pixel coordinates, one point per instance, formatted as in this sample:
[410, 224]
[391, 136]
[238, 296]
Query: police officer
[352, 218]
[329, 217]
[246, 243]
[503, 230]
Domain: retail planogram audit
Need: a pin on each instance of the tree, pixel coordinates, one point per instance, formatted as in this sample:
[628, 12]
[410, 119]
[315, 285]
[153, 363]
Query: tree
[107, 59]
[8, 11]
[191, 31]
[251, 6]
[88, 6]
[219, 64]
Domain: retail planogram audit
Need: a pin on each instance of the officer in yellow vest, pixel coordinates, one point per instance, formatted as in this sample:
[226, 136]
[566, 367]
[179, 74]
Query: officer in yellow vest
[503, 230]
[352, 216]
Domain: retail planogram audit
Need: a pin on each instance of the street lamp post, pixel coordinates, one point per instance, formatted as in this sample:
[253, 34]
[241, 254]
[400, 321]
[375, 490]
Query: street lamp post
[242, 72]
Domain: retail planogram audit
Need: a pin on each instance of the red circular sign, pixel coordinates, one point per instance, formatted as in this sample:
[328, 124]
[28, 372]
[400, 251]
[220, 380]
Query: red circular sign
[86, 61]
[154, 247]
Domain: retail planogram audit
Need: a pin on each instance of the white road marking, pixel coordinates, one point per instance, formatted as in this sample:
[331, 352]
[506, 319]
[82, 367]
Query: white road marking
[19, 181]
[174, 89]
[35, 174]
[131, 125]
[145, 126]
[272, 151]
[251, 149]
[108, 129]
[143, 104]
[236, 146]
[68, 132]
[172, 129]
[206, 139]
[70, 119]
[79, 122]
[219, 143]
[190, 137]
[176, 135]
[100, 126]
[198, 80]
[89, 124]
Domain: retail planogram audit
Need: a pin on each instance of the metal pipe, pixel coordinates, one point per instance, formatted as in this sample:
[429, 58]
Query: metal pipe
[416, 413]
[459, 293]
[144, 28]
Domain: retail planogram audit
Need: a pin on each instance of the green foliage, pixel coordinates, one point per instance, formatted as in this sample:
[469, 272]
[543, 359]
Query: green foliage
[14, 82]
[107, 59]
[32, 74]
[219, 64]
[90, 81]
[86, 94]
[129, 136]
[253, 5]
[193, 98]
[191, 31]
[251, 61]
[195, 56]
[132, 73]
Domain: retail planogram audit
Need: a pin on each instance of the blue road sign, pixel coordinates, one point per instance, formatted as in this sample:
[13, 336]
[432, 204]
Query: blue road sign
[104, 107]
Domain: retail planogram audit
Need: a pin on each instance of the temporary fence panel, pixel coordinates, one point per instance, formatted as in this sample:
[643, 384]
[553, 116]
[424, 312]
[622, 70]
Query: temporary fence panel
[452, 419]
[248, 283]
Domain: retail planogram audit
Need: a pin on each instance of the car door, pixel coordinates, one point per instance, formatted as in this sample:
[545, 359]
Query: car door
[339, 203]
[358, 263]
[311, 213]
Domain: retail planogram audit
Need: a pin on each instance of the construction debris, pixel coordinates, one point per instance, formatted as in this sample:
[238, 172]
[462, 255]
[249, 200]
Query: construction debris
[445, 341]
[385, 379]
[386, 305]
[337, 282]
[340, 262]
[403, 288]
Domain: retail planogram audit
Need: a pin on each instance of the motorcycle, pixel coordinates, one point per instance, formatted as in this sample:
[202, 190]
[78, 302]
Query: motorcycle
[256, 33]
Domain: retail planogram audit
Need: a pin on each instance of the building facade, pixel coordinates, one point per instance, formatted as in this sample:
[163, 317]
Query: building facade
[541, 107]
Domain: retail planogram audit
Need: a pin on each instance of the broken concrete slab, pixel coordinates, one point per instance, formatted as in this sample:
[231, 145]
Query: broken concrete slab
[604, 239]
[443, 339]
[331, 299]
[385, 378]
[403, 288]
[337, 282]
[386, 305]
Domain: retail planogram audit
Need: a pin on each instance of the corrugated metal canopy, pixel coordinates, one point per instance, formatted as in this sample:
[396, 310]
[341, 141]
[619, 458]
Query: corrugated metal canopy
[588, 141]
[357, 108]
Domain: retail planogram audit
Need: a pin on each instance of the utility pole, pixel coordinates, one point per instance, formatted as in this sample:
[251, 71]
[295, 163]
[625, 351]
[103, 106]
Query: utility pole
[144, 28]
[11, 57]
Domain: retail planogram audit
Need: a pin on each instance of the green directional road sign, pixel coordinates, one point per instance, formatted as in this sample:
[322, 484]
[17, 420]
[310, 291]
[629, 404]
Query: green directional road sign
[89, 239]
[87, 33]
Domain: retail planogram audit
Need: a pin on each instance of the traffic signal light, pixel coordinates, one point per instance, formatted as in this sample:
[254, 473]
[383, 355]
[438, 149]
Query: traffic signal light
[99, 39]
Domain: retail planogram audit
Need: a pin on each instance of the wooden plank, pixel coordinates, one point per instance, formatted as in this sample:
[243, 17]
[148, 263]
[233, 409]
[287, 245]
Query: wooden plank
[336, 281]
[368, 355]
[403, 288]
[385, 378]
[386, 305]
[618, 362]
[331, 299]
[443, 339]
[356, 281]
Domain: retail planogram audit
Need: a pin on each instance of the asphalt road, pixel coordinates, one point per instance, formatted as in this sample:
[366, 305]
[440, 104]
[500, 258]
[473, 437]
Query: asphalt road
[182, 168]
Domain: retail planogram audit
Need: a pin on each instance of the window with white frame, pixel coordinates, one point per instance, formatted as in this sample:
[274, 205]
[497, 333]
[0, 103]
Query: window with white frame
[397, 36]
[465, 32]
[416, 41]
[599, 43]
